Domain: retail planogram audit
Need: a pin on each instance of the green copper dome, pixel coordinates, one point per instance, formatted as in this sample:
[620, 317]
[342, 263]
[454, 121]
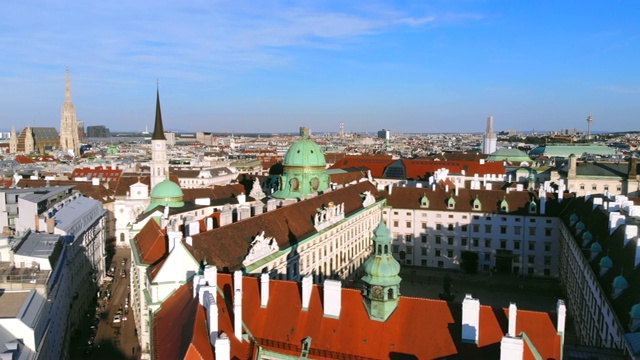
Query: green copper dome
[620, 282]
[606, 262]
[587, 236]
[580, 226]
[635, 311]
[304, 152]
[304, 171]
[166, 193]
[596, 247]
[574, 217]
[381, 268]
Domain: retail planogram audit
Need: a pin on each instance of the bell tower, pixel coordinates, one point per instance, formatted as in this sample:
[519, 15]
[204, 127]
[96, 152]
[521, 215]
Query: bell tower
[69, 140]
[382, 283]
[159, 164]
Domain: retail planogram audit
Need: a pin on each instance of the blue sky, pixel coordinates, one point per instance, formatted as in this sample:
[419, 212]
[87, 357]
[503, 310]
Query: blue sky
[273, 66]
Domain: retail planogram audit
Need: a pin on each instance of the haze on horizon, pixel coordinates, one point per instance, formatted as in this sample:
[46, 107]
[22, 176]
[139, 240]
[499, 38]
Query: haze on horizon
[233, 66]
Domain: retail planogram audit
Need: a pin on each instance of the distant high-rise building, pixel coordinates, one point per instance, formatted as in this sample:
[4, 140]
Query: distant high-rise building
[81, 132]
[383, 134]
[489, 140]
[69, 140]
[98, 131]
[589, 121]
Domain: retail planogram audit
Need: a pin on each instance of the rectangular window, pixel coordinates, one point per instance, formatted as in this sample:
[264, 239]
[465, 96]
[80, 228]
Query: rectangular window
[476, 242]
[423, 251]
[516, 245]
[547, 260]
[503, 244]
[463, 228]
[487, 229]
[463, 241]
[409, 224]
[476, 228]
[437, 253]
[503, 229]
[395, 223]
[423, 262]
[395, 250]
[517, 230]
[532, 246]
[450, 216]
[395, 213]
[547, 246]
[531, 259]
[450, 254]
[503, 219]
[476, 217]
[450, 227]
[532, 231]
[424, 225]
[581, 186]
[424, 238]
[450, 240]
[440, 264]
[487, 256]
[438, 239]
[438, 226]
[487, 243]
[594, 187]
[408, 214]
[409, 250]
[547, 232]
[408, 238]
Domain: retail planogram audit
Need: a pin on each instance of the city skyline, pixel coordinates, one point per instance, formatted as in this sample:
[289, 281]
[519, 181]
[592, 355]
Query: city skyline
[411, 68]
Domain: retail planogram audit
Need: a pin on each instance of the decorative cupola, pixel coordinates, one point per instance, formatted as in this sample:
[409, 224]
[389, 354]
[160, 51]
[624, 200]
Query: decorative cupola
[304, 171]
[476, 205]
[634, 318]
[580, 226]
[424, 202]
[605, 264]
[504, 205]
[595, 250]
[451, 203]
[573, 219]
[533, 207]
[619, 285]
[381, 281]
[587, 237]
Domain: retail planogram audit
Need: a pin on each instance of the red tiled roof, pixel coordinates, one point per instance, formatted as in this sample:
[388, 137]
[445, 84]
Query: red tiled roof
[420, 328]
[376, 164]
[103, 173]
[21, 159]
[151, 243]
[423, 168]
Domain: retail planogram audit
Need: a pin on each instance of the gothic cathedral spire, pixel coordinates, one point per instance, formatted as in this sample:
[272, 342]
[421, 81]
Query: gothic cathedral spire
[69, 140]
[159, 163]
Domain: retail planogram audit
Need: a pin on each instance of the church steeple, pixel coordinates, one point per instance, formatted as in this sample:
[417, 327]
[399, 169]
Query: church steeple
[158, 131]
[382, 283]
[69, 139]
[159, 162]
[67, 95]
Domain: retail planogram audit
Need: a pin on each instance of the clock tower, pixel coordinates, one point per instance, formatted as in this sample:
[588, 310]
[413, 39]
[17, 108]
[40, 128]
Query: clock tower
[382, 283]
[159, 163]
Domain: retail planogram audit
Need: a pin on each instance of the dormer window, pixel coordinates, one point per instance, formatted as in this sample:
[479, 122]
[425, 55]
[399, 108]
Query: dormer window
[451, 203]
[424, 202]
[477, 206]
[533, 207]
[504, 206]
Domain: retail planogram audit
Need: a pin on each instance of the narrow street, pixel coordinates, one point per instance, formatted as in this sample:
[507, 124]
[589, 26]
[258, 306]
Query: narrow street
[116, 337]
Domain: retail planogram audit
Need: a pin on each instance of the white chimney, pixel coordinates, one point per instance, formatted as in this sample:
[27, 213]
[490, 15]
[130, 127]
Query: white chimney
[189, 240]
[209, 223]
[513, 312]
[470, 319]
[242, 198]
[481, 161]
[198, 282]
[307, 284]
[223, 348]
[562, 316]
[332, 298]
[630, 231]
[94, 181]
[390, 188]
[237, 314]
[173, 237]
[457, 191]
[511, 348]
[211, 275]
[264, 290]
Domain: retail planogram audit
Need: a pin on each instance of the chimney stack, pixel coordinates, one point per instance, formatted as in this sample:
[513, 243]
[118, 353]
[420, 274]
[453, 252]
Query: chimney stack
[211, 275]
[223, 347]
[307, 284]
[513, 312]
[212, 317]
[562, 316]
[332, 298]
[264, 290]
[237, 304]
[470, 319]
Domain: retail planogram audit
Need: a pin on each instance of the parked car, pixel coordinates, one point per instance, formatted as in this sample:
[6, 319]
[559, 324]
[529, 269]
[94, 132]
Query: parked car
[123, 273]
[117, 318]
[123, 262]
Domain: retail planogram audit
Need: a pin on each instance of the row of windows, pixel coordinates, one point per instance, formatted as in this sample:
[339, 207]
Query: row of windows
[605, 187]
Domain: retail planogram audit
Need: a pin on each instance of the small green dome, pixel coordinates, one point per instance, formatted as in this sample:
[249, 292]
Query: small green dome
[166, 189]
[587, 236]
[381, 268]
[580, 226]
[166, 193]
[596, 247]
[606, 262]
[574, 217]
[304, 152]
[620, 282]
[635, 311]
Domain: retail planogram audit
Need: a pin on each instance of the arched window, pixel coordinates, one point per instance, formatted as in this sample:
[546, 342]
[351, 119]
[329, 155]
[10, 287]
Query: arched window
[390, 294]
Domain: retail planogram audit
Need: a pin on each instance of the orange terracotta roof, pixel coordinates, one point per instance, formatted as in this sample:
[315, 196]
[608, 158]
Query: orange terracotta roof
[21, 159]
[151, 243]
[282, 325]
[376, 164]
[423, 168]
